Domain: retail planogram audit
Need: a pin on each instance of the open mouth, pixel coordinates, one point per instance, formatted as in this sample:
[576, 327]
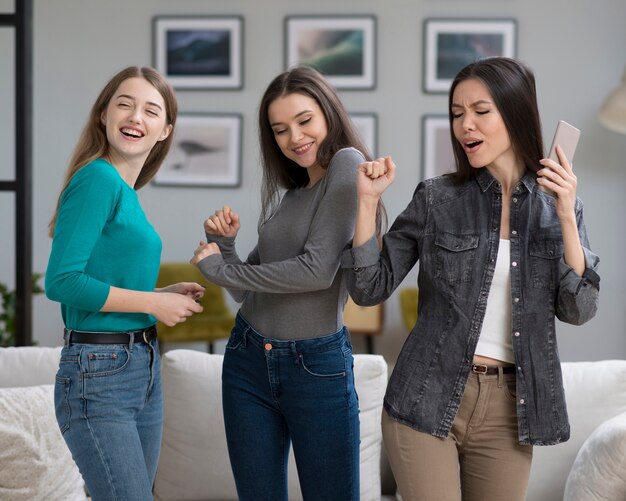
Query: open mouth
[302, 149]
[131, 133]
[473, 144]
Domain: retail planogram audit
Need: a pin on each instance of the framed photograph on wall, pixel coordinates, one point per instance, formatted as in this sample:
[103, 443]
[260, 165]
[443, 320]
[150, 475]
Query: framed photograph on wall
[199, 52]
[367, 126]
[437, 156]
[451, 44]
[206, 152]
[340, 47]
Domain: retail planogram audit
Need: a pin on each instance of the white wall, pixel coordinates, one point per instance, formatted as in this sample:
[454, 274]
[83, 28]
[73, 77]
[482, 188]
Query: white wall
[575, 47]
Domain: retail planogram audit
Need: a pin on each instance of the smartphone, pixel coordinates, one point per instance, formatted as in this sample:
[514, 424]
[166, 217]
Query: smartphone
[566, 136]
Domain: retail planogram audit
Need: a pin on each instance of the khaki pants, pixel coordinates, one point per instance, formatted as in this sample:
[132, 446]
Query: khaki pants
[480, 460]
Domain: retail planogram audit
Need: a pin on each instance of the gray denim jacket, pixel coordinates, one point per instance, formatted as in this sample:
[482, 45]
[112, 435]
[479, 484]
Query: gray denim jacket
[454, 232]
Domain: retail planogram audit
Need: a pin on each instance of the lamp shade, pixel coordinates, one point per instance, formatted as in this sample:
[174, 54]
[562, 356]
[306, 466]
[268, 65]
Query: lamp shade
[613, 112]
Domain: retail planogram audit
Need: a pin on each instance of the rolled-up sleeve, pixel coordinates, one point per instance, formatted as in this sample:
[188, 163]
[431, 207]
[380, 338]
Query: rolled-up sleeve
[578, 297]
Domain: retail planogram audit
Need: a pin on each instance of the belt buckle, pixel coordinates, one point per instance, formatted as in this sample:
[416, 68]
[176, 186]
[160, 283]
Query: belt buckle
[145, 337]
[479, 368]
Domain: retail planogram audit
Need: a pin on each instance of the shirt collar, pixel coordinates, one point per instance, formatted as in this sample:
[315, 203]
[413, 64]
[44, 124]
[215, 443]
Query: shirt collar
[485, 180]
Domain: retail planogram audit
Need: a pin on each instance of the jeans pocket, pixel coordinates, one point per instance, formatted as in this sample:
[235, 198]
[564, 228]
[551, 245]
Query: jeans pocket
[62, 402]
[104, 360]
[326, 364]
[510, 389]
[236, 340]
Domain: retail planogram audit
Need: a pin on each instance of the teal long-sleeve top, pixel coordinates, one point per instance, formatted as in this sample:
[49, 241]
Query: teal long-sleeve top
[102, 238]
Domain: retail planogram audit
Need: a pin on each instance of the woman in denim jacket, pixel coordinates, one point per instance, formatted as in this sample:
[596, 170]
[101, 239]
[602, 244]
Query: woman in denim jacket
[478, 381]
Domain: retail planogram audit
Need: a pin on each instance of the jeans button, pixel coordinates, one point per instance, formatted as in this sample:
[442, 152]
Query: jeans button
[268, 346]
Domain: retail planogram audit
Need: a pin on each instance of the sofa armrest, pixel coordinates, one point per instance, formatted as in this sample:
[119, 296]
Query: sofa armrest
[599, 470]
[28, 366]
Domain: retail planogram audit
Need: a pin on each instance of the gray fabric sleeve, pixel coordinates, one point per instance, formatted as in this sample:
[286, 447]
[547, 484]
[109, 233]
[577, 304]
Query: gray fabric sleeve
[230, 256]
[331, 229]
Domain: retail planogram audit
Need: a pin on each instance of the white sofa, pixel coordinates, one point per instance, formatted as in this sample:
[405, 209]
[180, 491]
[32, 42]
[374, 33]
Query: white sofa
[591, 466]
[194, 460]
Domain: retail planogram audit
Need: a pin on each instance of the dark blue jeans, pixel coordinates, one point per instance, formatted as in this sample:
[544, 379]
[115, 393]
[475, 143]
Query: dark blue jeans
[301, 391]
[109, 406]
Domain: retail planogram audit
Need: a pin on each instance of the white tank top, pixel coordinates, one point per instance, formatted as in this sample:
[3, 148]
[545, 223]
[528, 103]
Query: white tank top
[495, 335]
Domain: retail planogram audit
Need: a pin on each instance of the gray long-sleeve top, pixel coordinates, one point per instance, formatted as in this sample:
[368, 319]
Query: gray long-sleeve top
[291, 285]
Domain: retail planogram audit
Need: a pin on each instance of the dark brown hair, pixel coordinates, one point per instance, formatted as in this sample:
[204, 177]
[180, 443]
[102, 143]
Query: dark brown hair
[93, 141]
[512, 88]
[279, 172]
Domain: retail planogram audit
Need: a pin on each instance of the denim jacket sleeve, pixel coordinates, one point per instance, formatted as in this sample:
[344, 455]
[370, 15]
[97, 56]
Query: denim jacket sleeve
[577, 298]
[372, 277]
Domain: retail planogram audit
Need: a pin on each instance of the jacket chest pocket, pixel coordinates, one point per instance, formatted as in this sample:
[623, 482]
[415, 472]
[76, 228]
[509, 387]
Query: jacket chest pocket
[455, 256]
[544, 262]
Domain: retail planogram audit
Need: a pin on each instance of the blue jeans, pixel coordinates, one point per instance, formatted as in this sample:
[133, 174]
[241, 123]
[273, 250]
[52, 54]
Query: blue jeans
[109, 406]
[301, 391]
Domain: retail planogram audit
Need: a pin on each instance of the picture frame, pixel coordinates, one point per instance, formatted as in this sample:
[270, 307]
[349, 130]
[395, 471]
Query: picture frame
[342, 48]
[451, 44]
[437, 155]
[199, 52]
[367, 126]
[206, 151]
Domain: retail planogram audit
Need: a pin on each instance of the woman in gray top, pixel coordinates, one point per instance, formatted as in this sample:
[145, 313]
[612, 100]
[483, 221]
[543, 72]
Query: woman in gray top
[287, 374]
[478, 381]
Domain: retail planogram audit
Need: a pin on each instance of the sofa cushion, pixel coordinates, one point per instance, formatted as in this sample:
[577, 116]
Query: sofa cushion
[28, 366]
[35, 462]
[599, 471]
[194, 461]
[595, 392]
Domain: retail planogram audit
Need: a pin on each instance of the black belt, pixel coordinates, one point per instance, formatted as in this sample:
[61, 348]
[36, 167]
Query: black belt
[492, 370]
[139, 336]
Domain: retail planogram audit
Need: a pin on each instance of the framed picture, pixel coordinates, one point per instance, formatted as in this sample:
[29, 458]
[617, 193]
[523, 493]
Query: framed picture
[437, 156]
[451, 44]
[367, 126]
[206, 152]
[200, 52]
[340, 47]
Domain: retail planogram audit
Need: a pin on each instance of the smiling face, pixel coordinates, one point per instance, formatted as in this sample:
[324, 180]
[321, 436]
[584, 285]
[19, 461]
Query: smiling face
[135, 120]
[479, 127]
[299, 128]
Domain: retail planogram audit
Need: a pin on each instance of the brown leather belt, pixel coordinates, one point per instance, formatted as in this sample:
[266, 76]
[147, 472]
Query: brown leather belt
[491, 370]
[139, 336]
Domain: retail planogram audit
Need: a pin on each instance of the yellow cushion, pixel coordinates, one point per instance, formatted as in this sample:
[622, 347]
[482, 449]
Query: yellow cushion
[215, 321]
[408, 306]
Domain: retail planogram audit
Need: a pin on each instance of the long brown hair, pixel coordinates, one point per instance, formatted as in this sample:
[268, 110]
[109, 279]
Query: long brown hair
[93, 141]
[512, 87]
[279, 172]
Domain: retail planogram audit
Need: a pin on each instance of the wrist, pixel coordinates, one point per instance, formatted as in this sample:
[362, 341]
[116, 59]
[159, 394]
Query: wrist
[368, 203]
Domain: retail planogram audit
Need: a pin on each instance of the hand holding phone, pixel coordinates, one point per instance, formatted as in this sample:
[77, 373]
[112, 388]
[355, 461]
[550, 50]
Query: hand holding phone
[566, 136]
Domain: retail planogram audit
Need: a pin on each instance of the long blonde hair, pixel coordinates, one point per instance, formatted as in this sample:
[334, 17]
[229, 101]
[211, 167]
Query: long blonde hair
[93, 141]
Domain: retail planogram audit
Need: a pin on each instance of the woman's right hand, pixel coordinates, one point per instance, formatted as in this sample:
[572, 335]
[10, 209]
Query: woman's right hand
[375, 177]
[172, 308]
[225, 223]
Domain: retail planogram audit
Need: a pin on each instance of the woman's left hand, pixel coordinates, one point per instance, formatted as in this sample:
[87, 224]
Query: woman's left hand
[191, 289]
[561, 180]
[204, 250]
